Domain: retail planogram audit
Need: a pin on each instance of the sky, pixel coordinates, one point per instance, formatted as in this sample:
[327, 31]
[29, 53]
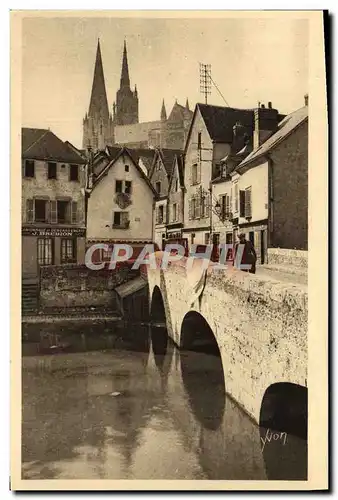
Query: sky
[251, 60]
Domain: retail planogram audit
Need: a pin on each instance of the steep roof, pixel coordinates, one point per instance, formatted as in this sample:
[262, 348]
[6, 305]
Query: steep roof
[180, 167]
[220, 120]
[167, 156]
[122, 151]
[41, 144]
[285, 127]
[146, 155]
[81, 152]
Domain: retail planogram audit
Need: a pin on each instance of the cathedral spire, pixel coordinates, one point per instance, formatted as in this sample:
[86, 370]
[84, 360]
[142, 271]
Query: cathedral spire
[98, 100]
[187, 105]
[125, 82]
[163, 112]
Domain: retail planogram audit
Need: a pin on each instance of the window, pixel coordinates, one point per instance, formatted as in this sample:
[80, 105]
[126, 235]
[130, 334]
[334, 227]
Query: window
[68, 250]
[51, 170]
[236, 197]
[29, 168]
[126, 168]
[74, 215]
[203, 206]
[160, 215]
[206, 238]
[74, 173]
[63, 211]
[40, 211]
[118, 186]
[127, 187]
[194, 174]
[223, 203]
[121, 220]
[174, 212]
[45, 251]
[215, 239]
[247, 203]
[241, 203]
[158, 187]
[106, 254]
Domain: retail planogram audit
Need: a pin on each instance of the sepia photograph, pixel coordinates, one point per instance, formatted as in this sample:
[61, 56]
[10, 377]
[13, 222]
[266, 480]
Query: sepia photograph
[164, 237]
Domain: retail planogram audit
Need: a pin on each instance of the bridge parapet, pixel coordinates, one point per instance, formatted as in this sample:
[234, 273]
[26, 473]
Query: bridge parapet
[260, 324]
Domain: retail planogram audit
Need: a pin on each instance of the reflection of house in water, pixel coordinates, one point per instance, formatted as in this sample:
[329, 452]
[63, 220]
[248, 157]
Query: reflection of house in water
[53, 415]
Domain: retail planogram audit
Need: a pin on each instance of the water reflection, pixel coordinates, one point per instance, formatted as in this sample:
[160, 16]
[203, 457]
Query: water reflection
[205, 389]
[148, 412]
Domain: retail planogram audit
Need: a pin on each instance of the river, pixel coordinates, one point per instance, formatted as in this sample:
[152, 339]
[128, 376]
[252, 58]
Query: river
[141, 409]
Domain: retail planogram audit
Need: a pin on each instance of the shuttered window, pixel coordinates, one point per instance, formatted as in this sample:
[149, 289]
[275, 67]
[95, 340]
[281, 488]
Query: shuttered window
[194, 174]
[74, 214]
[242, 203]
[197, 208]
[190, 209]
[247, 207]
[227, 205]
[236, 197]
[30, 210]
[53, 212]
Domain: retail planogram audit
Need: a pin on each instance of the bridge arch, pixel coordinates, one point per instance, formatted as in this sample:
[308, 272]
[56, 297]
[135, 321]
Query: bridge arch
[202, 376]
[283, 424]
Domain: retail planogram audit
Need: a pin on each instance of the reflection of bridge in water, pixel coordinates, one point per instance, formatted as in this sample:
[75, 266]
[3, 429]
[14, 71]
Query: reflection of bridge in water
[257, 330]
[149, 412]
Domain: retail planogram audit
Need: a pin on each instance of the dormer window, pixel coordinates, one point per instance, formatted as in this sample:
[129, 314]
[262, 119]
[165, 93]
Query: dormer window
[158, 187]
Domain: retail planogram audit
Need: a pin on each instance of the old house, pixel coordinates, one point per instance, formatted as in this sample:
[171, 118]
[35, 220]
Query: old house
[271, 204]
[209, 140]
[159, 177]
[53, 202]
[175, 201]
[120, 203]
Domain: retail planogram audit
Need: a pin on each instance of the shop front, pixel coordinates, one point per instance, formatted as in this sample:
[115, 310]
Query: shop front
[44, 246]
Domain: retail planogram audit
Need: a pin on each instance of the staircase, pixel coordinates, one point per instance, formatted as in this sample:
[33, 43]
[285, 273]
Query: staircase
[30, 297]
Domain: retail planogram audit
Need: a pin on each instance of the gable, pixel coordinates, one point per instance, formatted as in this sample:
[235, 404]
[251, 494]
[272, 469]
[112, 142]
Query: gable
[124, 153]
[197, 125]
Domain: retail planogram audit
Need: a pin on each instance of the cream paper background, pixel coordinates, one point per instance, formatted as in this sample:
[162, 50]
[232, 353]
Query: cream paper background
[318, 264]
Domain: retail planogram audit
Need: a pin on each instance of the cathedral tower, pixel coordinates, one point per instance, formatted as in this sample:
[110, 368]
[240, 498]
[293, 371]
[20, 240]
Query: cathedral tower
[126, 106]
[97, 124]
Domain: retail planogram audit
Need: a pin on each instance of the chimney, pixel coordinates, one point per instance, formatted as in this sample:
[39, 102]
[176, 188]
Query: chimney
[306, 99]
[265, 124]
[270, 105]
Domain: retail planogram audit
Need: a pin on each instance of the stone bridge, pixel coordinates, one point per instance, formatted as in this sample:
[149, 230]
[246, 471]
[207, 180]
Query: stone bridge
[259, 324]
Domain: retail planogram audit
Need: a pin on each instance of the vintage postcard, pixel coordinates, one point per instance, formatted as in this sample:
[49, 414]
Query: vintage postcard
[169, 210]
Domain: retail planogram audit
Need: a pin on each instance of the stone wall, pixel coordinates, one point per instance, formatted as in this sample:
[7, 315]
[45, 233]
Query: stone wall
[77, 286]
[260, 326]
[288, 257]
